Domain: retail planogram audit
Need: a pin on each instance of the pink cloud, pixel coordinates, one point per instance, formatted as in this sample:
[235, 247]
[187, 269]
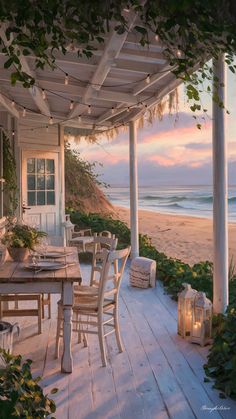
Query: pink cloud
[162, 160]
[182, 134]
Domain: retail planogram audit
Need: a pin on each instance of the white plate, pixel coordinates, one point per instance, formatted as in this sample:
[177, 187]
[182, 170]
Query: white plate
[55, 255]
[46, 266]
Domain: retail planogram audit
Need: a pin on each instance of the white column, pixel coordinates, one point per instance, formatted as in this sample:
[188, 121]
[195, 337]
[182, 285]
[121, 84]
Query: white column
[220, 195]
[133, 189]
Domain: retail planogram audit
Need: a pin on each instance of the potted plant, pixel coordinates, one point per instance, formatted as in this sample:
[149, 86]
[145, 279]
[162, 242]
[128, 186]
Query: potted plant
[20, 239]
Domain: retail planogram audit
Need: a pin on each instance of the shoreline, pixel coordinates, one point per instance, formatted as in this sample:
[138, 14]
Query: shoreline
[180, 236]
[175, 214]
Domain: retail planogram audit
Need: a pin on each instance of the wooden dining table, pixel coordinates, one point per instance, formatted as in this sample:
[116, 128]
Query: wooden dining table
[17, 278]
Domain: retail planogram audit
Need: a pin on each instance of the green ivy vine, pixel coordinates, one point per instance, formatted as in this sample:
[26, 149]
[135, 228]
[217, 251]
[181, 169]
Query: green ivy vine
[9, 174]
[191, 32]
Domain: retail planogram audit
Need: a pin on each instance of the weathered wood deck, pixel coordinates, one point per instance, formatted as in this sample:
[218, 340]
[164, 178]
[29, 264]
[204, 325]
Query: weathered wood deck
[159, 375]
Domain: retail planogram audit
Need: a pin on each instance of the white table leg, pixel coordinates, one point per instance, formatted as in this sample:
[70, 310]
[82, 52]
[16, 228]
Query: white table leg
[67, 362]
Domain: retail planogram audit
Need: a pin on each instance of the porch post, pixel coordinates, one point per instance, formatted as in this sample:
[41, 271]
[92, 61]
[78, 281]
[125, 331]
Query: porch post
[133, 189]
[220, 195]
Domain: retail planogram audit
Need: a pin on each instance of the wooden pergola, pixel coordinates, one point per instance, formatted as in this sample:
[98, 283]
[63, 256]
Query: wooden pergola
[117, 85]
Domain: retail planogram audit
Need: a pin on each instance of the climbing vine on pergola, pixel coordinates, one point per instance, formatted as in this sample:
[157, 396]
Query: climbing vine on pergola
[192, 32]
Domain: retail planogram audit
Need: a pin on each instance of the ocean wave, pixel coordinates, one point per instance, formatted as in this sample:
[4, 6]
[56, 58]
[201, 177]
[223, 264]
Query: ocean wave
[176, 199]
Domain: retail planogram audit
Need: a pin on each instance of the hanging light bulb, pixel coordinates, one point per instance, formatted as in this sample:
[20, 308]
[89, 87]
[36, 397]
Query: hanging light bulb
[112, 110]
[13, 103]
[148, 79]
[71, 105]
[179, 53]
[71, 46]
[47, 128]
[66, 79]
[51, 120]
[89, 109]
[43, 94]
[156, 37]
[79, 118]
[128, 109]
[13, 133]
[24, 113]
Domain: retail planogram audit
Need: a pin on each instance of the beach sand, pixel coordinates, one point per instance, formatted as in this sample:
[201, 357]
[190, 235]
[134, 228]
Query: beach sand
[187, 238]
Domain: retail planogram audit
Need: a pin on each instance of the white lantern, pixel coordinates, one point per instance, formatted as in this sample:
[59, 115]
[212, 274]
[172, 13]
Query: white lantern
[185, 310]
[202, 320]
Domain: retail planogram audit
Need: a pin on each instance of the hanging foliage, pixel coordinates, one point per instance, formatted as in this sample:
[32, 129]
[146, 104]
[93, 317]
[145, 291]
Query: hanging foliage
[190, 32]
[9, 175]
[147, 117]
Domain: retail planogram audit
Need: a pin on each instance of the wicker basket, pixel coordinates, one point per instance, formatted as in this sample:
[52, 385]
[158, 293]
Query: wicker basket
[143, 272]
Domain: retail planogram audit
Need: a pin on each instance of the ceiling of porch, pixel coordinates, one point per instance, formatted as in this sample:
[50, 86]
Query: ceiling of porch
[118, 83]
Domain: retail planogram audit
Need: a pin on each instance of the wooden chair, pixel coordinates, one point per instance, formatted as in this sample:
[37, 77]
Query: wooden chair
[106, 233]
[39, 311]
[95, 309]
[100, 242]
[46, 301]
[19, 312]
[82, 239]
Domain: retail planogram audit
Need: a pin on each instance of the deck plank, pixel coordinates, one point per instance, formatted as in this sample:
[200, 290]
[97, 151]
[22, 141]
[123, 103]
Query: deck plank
[158, 376]
[146, 384]
[175, 401]
[195, 356]
[190, 385]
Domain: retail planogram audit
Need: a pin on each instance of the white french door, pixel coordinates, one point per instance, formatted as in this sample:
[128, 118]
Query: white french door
[40, 191]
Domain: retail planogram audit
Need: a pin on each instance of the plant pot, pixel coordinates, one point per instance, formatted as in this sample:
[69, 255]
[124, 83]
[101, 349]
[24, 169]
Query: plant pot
[18, 254]
[6, 335]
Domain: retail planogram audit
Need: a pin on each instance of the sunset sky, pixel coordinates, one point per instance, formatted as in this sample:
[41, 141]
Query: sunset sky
[172, 151]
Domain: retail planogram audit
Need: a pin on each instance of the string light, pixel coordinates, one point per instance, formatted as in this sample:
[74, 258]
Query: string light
[13, 133]
[79, 118]
[89, 109]
[43, 94]
[148, 79]
[156, 37]
[51, 120]
[128, 109]
[13, 103]
[179, 53]
[87, 82]
[66, 79]
[71, 105]
[112, 110]
[24, 113]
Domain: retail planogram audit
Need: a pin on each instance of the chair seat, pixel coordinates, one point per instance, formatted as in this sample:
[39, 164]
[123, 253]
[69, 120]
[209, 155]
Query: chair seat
[86, 298]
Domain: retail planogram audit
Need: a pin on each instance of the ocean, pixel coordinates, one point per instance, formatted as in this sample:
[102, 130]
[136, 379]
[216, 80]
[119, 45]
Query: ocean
[195, 201]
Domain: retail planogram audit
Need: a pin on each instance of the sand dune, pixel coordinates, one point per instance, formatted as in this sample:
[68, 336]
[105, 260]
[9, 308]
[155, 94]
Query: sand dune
[187, 238]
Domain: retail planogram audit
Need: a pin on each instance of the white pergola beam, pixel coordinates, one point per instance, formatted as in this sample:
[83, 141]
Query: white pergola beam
[111, 52]
[138, 56]
[220, 195]
[35, 92]
[115, 96]
[140, 87]
[86, 122]
[110, 114]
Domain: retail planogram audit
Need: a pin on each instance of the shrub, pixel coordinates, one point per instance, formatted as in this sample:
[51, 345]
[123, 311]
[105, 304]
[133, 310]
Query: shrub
[20, 395]
[221, 365]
